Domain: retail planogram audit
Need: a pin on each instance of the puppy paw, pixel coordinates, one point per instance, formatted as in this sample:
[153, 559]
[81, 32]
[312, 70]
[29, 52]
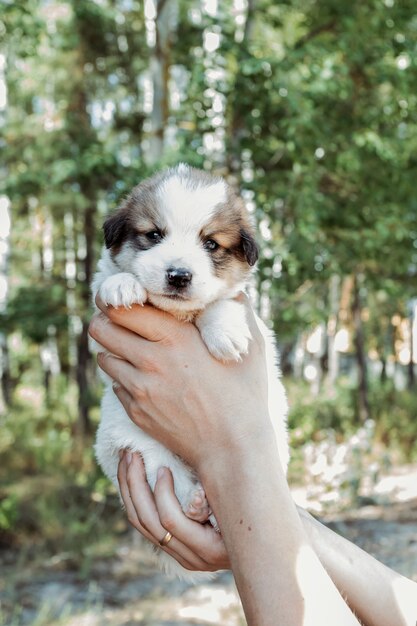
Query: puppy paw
[224, 330]
[122, 289]
[198, 508]
[226, 344]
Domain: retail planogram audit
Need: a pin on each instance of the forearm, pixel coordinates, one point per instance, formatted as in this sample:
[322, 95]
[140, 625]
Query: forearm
[379, 596]
[279, 578]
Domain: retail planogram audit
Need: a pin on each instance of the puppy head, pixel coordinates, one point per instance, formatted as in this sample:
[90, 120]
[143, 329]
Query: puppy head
[186, 236]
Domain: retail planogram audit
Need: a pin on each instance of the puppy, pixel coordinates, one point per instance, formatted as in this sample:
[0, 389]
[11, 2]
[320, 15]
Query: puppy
[182, 241]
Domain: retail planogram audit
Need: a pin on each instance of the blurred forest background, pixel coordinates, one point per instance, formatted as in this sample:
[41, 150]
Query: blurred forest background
[310, 109]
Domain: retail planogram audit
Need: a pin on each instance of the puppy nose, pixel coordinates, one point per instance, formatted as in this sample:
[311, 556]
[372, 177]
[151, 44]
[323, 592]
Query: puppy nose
[178, 277]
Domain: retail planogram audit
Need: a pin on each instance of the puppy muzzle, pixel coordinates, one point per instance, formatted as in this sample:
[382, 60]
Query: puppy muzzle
[178, 277]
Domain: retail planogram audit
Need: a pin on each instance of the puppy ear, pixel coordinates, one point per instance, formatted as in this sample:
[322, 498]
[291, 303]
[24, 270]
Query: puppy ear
[115, 229]
[249, 247]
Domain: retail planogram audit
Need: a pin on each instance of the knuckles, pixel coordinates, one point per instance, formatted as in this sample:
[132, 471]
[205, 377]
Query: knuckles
[134, 411]
[94, 327]
[168, 521]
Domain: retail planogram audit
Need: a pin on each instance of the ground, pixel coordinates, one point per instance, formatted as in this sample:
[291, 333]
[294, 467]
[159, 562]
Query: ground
[125, 588]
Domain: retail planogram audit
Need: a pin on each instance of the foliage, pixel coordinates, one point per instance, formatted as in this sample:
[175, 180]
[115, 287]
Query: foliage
[310, 416]
[309, 108]
[313, 417]
[49, 303]
[395, 413]
[52, 495]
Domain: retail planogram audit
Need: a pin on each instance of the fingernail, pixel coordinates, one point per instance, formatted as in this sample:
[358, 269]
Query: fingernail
[115, 386]
[160, 473]
[121, 453]
[128, 458]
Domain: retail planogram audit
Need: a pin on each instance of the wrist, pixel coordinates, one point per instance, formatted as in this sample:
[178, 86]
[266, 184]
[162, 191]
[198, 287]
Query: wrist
[237, 471]
[233, 453]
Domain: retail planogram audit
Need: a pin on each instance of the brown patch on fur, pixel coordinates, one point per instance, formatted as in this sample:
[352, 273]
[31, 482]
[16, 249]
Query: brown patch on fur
[232, 229]
[140, 213]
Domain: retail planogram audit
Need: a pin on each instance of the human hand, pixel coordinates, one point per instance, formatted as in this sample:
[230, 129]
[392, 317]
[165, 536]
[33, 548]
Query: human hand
[174, 390]
[197, 547]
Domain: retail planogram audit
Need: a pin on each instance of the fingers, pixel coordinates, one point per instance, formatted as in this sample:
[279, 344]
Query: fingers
[132, 515]
[144, 320]
[200, 538]
[119, 341]
[130, 406]
[144, 515]
[127, 501]
[126, 386]
[123, 373]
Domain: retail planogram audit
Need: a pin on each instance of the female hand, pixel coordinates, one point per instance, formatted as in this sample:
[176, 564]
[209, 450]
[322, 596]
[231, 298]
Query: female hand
[173, 389]
[195, 546]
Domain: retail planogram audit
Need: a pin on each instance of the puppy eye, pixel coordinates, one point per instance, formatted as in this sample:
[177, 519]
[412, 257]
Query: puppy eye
[211, 245]
[154, 235]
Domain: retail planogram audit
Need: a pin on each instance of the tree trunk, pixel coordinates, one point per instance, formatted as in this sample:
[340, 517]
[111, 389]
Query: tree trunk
[5, 226]
[411, 374]
[84, 358]
[83, 135]
[383, 375]
[165, 21]
[237, 126]
[359, 342]
[333, 355]
[6, 381]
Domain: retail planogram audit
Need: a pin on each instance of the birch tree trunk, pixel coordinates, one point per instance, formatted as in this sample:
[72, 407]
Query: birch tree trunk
[333, 355]
[48, 351]
[359, 342]
[5, 225]
[5, 388]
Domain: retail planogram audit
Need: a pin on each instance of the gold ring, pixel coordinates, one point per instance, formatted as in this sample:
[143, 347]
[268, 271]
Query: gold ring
[166, 539]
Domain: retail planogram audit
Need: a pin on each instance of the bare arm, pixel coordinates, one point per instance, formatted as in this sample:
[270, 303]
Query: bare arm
[378, 595]
[278, 575]
[161, 365]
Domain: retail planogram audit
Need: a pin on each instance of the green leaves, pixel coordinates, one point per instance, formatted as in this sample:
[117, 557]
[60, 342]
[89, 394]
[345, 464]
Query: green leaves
[35, 310]
[313, 107]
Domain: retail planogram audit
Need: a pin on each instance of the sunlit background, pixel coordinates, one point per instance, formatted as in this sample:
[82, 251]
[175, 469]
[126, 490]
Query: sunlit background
[310, 110]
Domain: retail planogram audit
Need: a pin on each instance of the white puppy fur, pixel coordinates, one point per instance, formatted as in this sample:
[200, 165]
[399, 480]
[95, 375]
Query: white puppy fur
[191, 224]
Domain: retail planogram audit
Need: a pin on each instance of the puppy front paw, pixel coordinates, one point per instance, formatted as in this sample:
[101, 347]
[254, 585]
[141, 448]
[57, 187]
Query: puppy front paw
[224, 330]
[122, 289]
[226, 344]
